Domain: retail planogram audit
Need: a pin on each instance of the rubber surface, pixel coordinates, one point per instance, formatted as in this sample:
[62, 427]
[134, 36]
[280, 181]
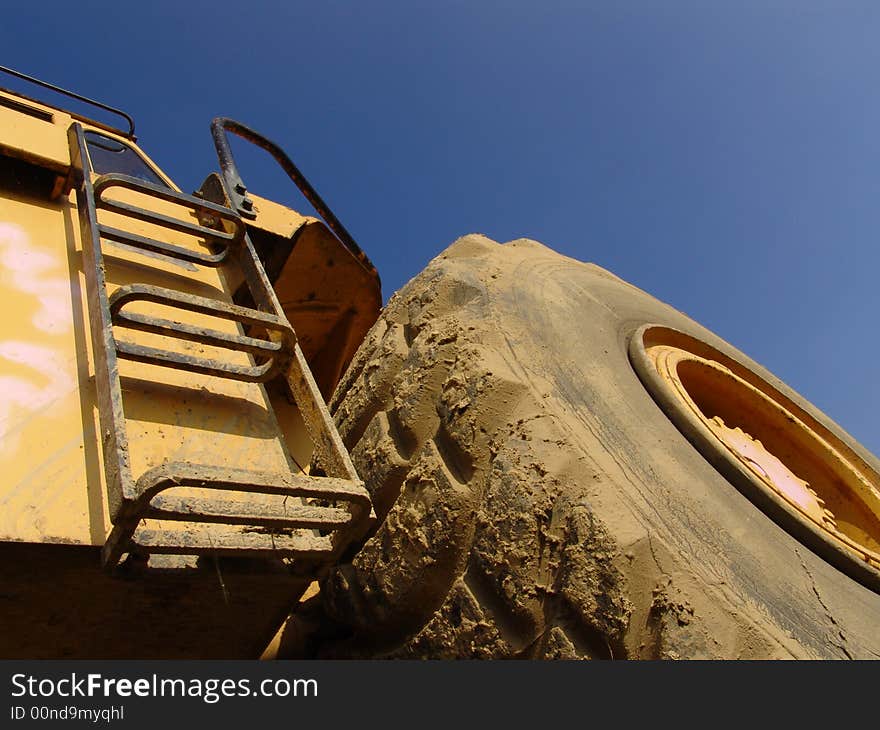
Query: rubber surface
[535, 501]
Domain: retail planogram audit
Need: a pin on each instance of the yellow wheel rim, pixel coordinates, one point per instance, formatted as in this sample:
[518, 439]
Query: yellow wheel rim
[771, 446]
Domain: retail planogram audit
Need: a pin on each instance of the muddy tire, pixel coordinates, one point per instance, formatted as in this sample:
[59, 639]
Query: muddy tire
[534, 501]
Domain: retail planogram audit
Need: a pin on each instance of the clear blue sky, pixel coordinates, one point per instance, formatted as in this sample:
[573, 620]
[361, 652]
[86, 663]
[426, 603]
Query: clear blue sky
[724, 156]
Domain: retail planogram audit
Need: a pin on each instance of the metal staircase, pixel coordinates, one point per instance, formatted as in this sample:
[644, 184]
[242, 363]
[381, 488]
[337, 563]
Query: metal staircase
[326, 514]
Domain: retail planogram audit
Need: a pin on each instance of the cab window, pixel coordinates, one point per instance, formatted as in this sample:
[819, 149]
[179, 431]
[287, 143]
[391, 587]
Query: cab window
[111, 155]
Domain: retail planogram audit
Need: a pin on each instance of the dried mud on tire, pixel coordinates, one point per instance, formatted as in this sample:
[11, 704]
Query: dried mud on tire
[533, 500]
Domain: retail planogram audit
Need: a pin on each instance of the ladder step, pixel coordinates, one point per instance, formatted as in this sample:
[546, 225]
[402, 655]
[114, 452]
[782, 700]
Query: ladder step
[195, 205]
[165, 221]
[182, 331]
[168, 249]
[210, 530]
[257, 373]
[192, 303]
[279, 512]
[201, 365]
[183, 474]
[231, 542]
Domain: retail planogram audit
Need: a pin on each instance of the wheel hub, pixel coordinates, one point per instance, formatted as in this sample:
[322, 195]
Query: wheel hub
[800, 472]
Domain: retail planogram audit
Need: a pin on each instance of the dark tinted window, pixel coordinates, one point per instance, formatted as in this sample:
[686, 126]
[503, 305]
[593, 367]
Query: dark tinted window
[110, 155]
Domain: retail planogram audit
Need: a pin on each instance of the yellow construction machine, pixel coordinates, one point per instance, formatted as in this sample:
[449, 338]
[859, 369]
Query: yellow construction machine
[522, 455]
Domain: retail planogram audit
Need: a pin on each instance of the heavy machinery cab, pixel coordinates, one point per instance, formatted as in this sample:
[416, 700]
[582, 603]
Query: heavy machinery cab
[164, 366]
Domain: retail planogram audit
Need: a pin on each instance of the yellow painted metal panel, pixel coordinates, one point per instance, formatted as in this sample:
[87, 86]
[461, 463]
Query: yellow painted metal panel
[275, 218]
[44, 383]
[33, 139]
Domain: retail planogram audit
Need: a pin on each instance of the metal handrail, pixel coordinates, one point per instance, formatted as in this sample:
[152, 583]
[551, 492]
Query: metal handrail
[78, 97]
[237, 191]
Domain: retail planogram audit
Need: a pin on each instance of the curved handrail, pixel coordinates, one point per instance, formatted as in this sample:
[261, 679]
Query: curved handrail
[237, 191]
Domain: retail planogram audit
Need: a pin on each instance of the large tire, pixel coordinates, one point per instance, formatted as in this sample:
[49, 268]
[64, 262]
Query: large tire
[533, 499]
